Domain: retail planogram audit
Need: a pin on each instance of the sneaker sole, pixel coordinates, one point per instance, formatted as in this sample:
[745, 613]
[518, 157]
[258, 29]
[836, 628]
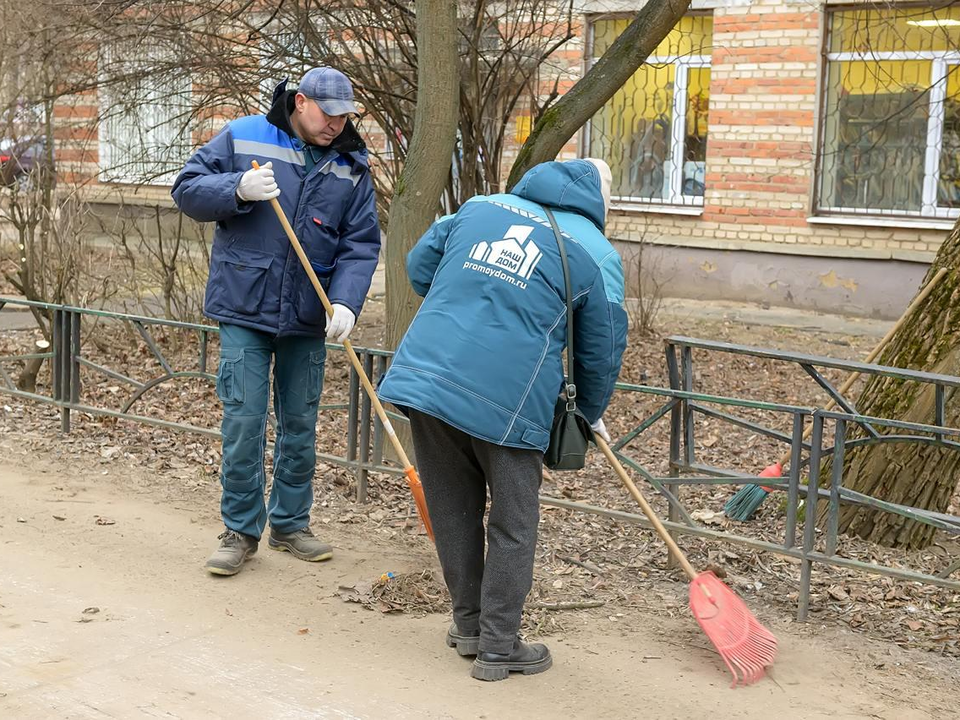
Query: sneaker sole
[465, 645]
[491, 672]
[281, 546]
[223, 571]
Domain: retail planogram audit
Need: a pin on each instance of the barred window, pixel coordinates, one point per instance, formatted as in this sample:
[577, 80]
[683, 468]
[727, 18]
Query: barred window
[145, 107]
[890, 142]
[653, 132]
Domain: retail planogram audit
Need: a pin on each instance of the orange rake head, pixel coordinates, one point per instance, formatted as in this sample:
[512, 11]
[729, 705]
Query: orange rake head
[413, 480]
[745, 645]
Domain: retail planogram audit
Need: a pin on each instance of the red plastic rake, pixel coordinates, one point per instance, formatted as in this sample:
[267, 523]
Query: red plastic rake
[745, 645]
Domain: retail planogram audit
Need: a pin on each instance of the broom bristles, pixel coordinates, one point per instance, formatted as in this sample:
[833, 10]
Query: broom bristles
[746, 646]
[747, 500]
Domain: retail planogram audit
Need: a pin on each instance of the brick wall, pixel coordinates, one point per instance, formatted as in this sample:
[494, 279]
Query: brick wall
[760, 151]
[560, 73]
[75, 132]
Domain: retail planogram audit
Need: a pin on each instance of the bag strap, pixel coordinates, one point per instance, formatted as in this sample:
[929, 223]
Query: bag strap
[571, 387]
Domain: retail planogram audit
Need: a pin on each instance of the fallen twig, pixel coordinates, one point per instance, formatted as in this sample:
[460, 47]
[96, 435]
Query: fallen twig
[588, 566]
[568, 605]
[949, 570]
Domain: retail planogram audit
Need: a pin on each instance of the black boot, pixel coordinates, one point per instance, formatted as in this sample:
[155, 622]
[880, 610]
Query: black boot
[527, 659]
[465, 643]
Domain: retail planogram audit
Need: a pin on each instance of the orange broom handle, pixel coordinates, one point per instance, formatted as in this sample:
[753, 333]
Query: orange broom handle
[408, 469]
[848, 383]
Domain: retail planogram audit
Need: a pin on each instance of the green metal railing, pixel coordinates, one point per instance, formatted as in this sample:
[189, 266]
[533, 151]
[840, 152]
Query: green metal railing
[681, 407]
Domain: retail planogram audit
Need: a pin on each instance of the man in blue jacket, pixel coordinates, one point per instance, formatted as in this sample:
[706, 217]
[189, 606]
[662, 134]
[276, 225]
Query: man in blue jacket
[314, 161]
[479, 373]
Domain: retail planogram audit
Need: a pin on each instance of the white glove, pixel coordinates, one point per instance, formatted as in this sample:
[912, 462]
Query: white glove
[341, 324]
[258, 184]
[600, 429]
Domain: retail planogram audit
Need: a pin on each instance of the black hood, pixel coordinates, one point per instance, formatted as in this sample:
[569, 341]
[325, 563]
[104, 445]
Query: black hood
[279, 116]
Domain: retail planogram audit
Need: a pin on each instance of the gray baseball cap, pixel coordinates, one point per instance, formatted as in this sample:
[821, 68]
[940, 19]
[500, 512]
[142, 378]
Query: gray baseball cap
[330, 89]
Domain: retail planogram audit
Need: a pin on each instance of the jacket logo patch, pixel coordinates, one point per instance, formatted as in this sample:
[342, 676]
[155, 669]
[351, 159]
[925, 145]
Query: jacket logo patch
[512, 259]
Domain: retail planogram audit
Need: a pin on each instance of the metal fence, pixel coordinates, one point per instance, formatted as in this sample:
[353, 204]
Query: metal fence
[364, 450]
[681, 407]
[685, 406]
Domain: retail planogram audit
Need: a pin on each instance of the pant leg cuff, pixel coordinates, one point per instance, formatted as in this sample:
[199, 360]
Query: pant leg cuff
[289, 530]
[244, 530]
[467, 623]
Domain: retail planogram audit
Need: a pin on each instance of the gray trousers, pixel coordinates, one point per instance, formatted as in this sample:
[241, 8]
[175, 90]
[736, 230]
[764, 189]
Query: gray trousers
[456, 470]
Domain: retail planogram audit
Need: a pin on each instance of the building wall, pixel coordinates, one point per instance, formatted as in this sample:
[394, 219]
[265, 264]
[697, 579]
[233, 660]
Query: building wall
[761, 151]
[756, 220]
[757, 238]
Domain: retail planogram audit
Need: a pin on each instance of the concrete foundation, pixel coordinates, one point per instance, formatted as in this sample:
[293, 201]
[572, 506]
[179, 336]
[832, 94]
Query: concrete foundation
[868, 288]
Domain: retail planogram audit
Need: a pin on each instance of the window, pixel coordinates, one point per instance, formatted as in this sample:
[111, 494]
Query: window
[890, 136]
[145, 105]
[653, 132]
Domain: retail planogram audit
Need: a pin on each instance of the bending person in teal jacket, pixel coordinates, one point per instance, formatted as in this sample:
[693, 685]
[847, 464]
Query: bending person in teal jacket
[479, 373]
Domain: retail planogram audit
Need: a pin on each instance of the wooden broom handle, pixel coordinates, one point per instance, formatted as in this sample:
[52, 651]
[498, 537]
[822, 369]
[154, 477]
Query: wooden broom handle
[645, 506]
[351, 353]
[848, 383]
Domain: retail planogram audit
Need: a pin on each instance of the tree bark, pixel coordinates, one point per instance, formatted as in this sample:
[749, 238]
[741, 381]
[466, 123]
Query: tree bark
[922, 476]
[416, 197]
[559, 123]
[28, 377]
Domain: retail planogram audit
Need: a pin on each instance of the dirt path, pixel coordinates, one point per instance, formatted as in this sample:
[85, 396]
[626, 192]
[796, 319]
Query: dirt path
[275, 642]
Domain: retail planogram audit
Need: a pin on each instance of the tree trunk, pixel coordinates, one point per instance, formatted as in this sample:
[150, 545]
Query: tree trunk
[416, 197]
[921, 476]
[28, 377]
[559, 123]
